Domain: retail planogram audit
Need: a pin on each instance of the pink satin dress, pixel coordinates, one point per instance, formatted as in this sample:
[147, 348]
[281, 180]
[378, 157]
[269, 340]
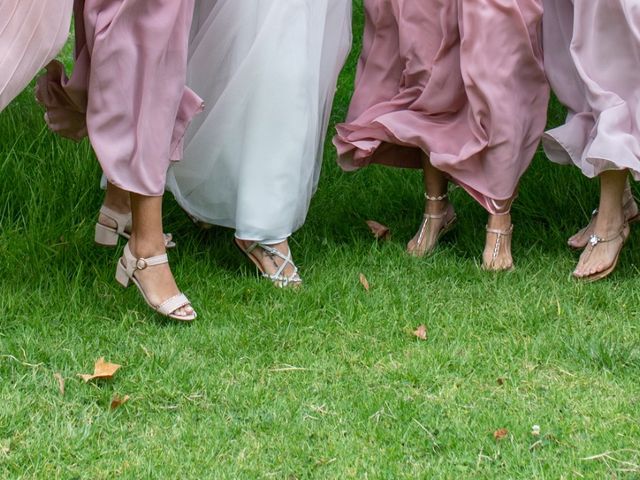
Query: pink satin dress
[32, 32]
[461, 81]
[128, 88]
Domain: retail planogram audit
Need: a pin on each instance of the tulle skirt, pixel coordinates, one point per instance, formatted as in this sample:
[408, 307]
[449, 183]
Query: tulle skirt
[592, 55]
[267, 71]
[31, 34]
[459, 80]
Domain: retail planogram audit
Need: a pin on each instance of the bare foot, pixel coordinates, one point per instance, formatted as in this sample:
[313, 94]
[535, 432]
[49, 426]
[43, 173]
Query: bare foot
[602, 251]
[497, 249]
[157, 281]
[439, 218]
[282, 273]
[581, 238]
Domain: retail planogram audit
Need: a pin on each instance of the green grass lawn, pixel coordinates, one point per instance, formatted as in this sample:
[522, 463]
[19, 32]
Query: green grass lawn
[325, 382]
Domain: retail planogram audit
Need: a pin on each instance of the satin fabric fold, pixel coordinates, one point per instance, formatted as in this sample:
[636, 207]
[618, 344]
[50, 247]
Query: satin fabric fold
[128, 88]
[32, 32]
[268, 72]
[592, 56]
[461, 81]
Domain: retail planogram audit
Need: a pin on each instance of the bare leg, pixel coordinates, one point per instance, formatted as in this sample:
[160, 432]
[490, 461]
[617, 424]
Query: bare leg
[439, 214]
[147, 241]
[610, 226]
[630, 208]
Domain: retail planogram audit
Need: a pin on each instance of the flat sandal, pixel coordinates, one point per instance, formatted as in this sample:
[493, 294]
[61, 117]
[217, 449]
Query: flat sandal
[279, 279]
[594, 240]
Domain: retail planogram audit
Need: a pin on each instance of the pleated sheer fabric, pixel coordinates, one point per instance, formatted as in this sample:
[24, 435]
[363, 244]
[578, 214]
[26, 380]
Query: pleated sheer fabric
[459, 80]
[32, 32]
[128, 88]
[592, 55]
[267, 70]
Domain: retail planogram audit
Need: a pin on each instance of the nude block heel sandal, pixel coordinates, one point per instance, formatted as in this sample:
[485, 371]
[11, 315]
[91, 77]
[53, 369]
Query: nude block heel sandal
[128, 265]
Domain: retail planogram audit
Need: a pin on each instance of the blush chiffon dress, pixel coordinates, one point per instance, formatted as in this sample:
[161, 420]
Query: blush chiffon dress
[592, 55]
[593, 64]
[128, 94]
[460, 81]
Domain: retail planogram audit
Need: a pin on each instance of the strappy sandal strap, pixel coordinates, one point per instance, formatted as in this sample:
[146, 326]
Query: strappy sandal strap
[595, 239]
[125, 273]
[134, 263]
[277, 277]
[174, 303]
[123, 225]
[122, 220]
[499, 235]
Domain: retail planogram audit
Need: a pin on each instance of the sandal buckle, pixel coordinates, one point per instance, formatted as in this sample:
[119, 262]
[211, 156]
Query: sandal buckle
[141, 264]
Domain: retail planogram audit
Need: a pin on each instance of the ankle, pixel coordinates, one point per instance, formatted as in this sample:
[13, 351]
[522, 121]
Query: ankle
[145, 247]
[436, 203]
[499, 222]
[436, 207]
[118, 205]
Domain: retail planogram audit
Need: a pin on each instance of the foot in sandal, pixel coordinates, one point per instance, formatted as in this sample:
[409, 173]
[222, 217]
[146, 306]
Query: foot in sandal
[497, 250]
[148, 268]
[631, 215]
[600, 256]
[439, 218]
[272, 261]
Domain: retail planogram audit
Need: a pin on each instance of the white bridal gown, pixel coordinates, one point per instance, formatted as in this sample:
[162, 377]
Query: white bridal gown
[267, 71]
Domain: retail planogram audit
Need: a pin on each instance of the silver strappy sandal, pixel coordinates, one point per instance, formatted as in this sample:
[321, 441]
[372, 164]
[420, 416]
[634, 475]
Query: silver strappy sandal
[279, 279]
[108, 236]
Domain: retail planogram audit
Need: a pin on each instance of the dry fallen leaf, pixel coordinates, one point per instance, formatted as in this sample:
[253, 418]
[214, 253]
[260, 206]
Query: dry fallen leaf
[500, 434]
[421, 332]
[380, 232]
[102, 370]
[118, 401]
[364, 282]
[60, 380]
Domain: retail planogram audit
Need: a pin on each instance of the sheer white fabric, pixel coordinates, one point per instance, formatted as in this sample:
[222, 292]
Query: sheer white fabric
[267, 71]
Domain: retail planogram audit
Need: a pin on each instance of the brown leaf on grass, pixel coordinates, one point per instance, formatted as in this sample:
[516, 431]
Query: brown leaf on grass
[421, 332]
[364, 282]
[118, 401]
[101, 370]
[500, 434]
[380, 232]
[60, 380]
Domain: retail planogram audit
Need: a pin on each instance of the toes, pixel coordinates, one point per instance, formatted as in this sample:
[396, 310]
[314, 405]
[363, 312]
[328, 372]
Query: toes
[185, 311]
